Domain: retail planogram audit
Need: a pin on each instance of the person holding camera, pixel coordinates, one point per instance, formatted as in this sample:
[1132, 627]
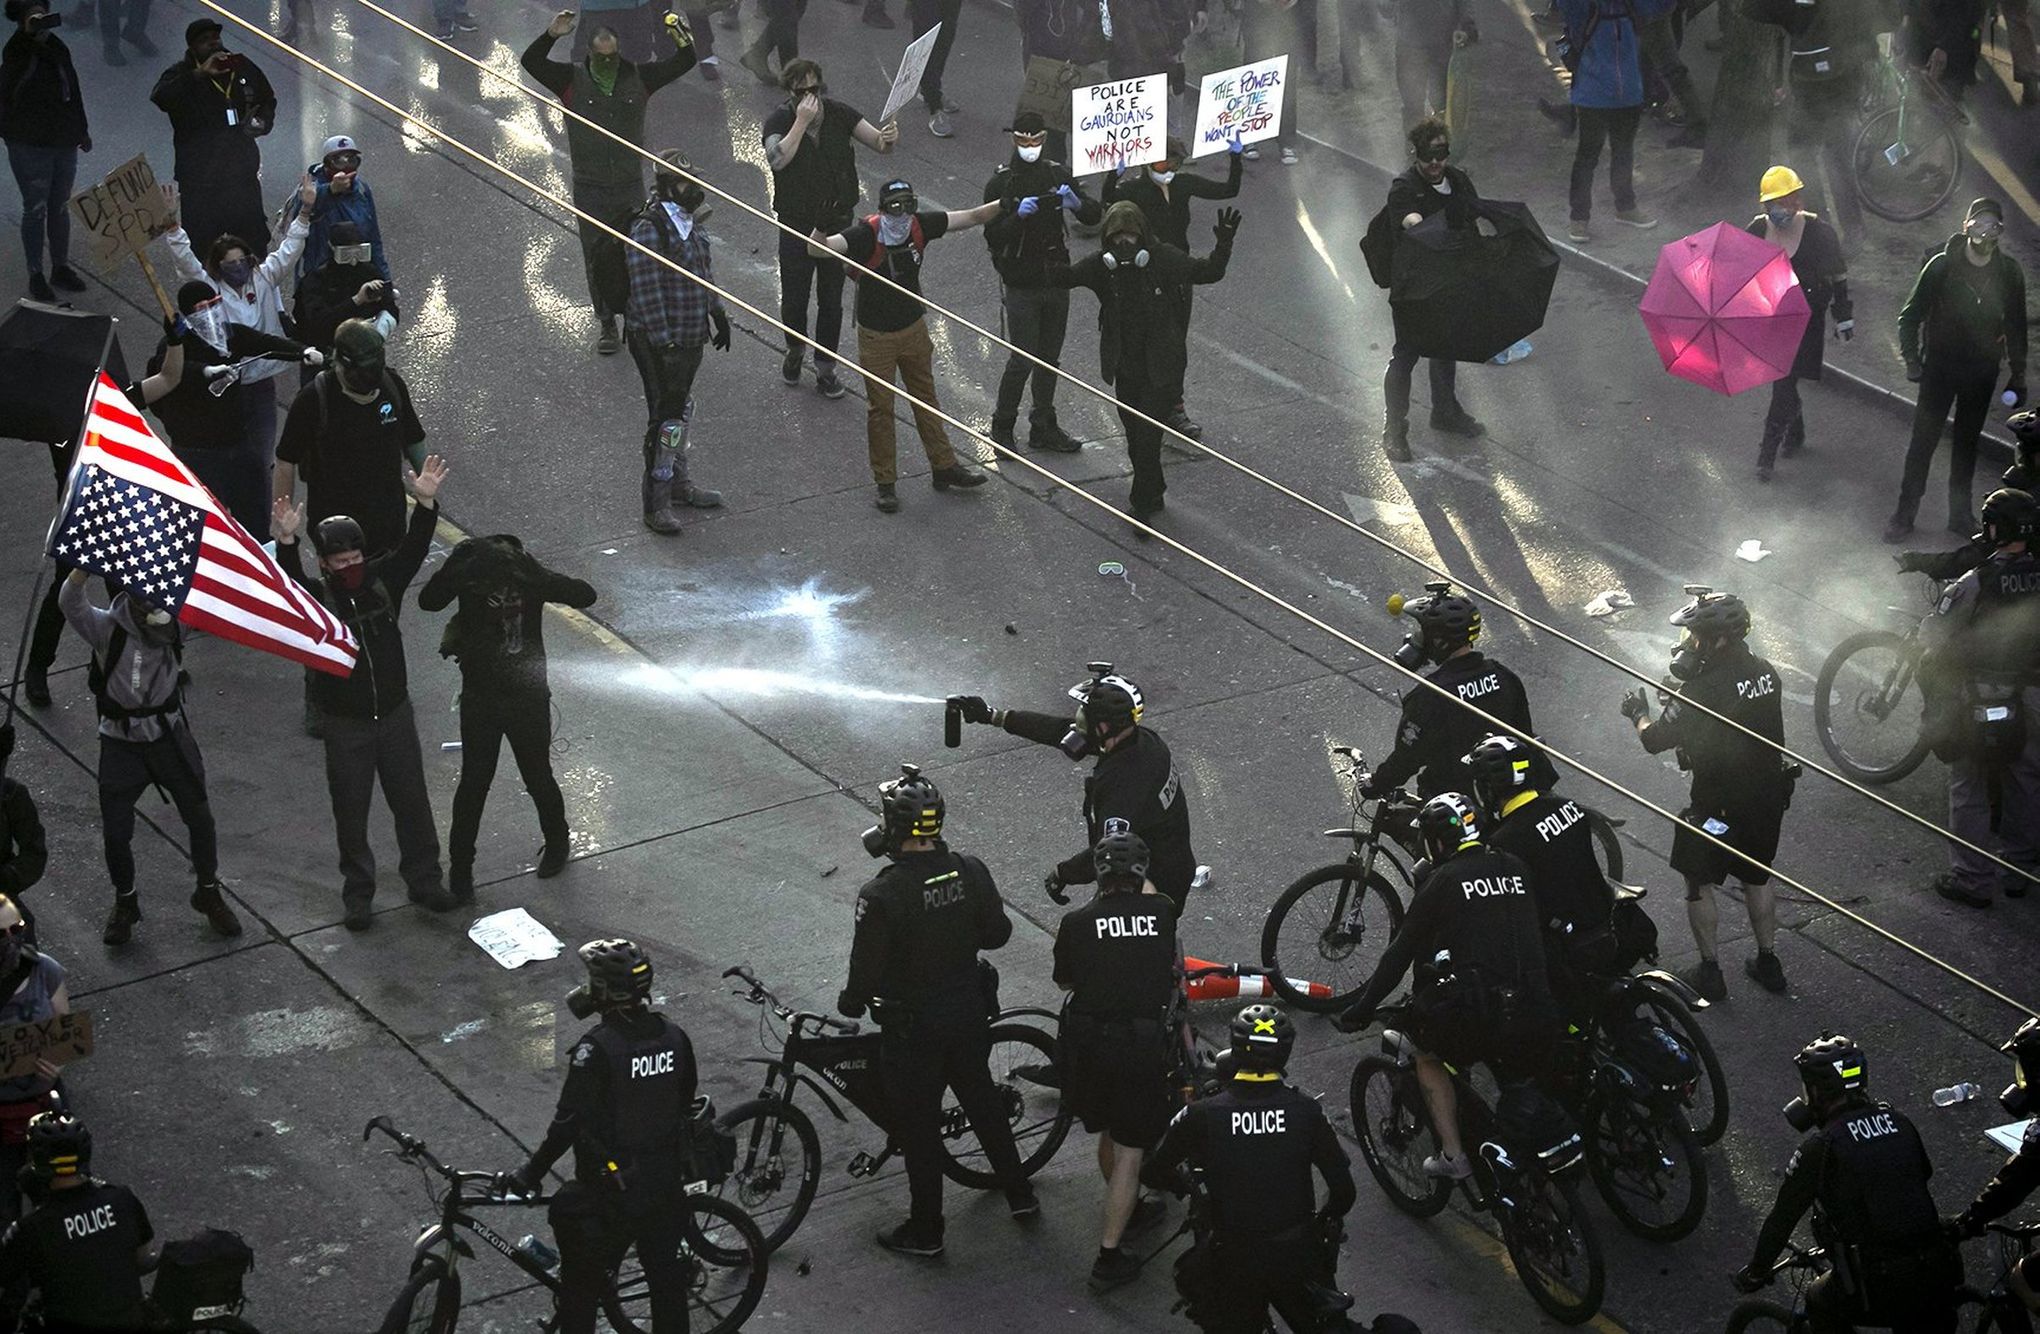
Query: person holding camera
[42, 119]
[219, 103]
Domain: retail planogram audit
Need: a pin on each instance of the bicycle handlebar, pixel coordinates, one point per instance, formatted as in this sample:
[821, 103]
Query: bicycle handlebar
[759, 994]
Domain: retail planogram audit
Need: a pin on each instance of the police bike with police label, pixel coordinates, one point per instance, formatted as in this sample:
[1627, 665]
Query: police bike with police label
[722, 1251]
[1333, 923]
[2003, 1312]
[1526, 1176]
[1869, 705]
[779, 1154]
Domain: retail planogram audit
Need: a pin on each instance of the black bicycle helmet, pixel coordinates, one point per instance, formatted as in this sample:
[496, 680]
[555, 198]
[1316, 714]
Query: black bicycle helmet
[619, 972]
[1500, 765]
[1447, 823]
[59, 1145]
[1449, 622]
[1121, 853]
[910, 807]
[1107, 702]
[1832, 1067]
[1262, 1037]
[2010, 516]
[338, 533]
[2023, 1094]
[1712, 615]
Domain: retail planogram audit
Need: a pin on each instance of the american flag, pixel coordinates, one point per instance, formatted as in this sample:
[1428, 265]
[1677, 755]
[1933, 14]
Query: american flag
[137, 515]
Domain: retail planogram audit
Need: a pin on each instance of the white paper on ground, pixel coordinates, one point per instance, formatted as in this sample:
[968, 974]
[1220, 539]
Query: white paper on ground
[514, 937]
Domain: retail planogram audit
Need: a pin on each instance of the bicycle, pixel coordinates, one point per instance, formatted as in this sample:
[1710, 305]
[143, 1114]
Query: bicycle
[1871, 721]
[1531, 1190]
[1341, 917]
[770, 1127]
[2002, 1309]
[722, 1250]
[1907, 158]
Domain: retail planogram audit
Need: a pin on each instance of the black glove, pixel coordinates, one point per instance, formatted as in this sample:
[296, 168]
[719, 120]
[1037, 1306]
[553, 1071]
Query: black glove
[974, 708]
[1962, 1226]
[1636, 705]
[522, 1181]
[721, 323]
[1370, 789]
[1227, 226]
[1331, 1230]
[1747, 1280]
[1354, 1019]
[1913, 370]
[849, 1006]
[1052, 882]
[1911, 562]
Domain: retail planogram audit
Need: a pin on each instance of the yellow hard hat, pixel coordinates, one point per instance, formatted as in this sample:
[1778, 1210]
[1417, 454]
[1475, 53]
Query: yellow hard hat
[1777, 183]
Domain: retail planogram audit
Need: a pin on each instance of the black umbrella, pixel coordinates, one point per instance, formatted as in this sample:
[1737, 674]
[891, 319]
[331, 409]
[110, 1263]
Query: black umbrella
[48, 358]
[1462, 296]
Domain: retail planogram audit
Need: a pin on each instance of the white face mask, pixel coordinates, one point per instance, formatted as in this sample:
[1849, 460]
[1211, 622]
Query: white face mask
[209, 322]
[1161, 177]
[1028, 152]
[683, 221]
[895, 228]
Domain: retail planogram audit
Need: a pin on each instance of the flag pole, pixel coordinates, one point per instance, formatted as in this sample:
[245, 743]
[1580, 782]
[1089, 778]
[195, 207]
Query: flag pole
[42, 567]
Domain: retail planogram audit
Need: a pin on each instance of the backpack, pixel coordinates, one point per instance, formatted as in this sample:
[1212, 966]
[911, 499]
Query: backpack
[200, 1277]
[1377, 247]
[914, 238]
[1571, 47]
[96, 673]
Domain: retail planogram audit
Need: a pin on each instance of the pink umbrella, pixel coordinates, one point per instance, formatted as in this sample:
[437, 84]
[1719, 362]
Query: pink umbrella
[1724, 309]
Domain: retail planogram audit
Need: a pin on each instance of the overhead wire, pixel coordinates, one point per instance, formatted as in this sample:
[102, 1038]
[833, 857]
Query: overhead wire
[1078, 492]
[1343, 520]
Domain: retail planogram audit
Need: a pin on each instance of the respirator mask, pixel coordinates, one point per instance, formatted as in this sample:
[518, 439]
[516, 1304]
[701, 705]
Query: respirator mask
[1687, 657]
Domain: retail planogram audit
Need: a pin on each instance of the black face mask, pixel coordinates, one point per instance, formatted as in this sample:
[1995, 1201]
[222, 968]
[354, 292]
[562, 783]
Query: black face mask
[1688, 658]
[581, 1002]
[360, 375]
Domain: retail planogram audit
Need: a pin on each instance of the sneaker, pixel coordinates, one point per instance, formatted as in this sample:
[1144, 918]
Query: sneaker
[702, 498]
[460, 882]
[1450, 1167]
[608, 343]
[1148, 1210]
[1705, 977]
[38, 688]
[1396, 445]
[1113, 1268]
[39, 288]
[888, 501]
[1953, 890]
[1576, 230]
[1635, 217]
[66, 277]
[956, 477]
[1461, 422]
[909, 1238]
[1179, 421]
[789, 365]
[711, 70]
[1001, 434]
[1022, 1202]
[938, 125]
[435, 899]
[140, 42]
[876, 17]
[120, 923]
[828, 385]
[358, 917]
[552, 859]
[1288, 157]
[1898, 530]
[1054, 439]
[210, 898]
[754, 61]
[466, 22]
[1252, 154]
[1766, 972]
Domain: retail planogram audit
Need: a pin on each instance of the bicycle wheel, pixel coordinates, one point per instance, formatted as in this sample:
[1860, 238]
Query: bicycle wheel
[429, 1303]
[1755, 1315]
[779, 1165]
[1609, 843]
[1556, 1251]
[1867, 708]
[1034, 1110]
[1647, 1166]
[723, 1261]
[1331, 927]
[1905, 168]
[1395, 1135]
[1707, 1102]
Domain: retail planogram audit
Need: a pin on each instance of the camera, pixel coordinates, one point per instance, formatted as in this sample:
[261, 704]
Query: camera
[44, 22]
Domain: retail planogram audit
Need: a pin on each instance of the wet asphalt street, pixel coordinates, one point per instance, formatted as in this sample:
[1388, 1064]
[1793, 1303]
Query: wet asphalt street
[720, 720]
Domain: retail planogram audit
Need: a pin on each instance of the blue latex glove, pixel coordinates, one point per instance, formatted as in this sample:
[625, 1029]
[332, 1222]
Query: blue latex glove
[1235, 146]
[1068, 196]
[1029, 207]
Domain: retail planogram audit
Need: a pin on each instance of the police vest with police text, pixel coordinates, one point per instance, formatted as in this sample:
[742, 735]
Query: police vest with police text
[2004, 630]
[1873, 1189]
[1256, 1153]
[649, 1092]
[1118, 956]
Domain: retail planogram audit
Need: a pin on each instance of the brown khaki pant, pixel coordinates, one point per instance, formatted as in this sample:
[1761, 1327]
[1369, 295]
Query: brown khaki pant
[911, 353]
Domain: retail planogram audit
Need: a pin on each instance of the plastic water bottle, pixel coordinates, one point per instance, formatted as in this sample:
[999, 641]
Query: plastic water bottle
[544, 1256]
[1515, 351]
[2009, 399]
[1955, 1093]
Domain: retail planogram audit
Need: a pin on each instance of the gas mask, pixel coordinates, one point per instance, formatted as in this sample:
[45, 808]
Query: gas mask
[353, 254]
[1027, 152]
[1410, 654]
[1688, 656]
[237, 271]
[1780, 216]
[1076, 743]
[1800, 1114]
[1125, 251]
[876, 843]
[2018, 1099]
[209, 321]
[581, 1002]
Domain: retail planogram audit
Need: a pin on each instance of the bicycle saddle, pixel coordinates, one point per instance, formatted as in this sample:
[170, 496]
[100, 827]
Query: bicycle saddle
[1627, 893]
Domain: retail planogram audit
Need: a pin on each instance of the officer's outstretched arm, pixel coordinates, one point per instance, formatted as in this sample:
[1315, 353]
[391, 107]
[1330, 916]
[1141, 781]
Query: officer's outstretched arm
[1796, 1195]
[1043, 729]
[2009, 1188]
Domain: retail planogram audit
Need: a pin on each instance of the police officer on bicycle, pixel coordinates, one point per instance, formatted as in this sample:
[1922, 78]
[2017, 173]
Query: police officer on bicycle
[1135, 779]
[2022, 475]
[1982, 679]
[1436, 733]
[1118, 958]
[1256, 1144]
[1549, 835]
[626, 1113]
[1482, 994]
[1741, 784]
[920, 924]
[2021, 1172]
[1863, 1171]
[83, 1245]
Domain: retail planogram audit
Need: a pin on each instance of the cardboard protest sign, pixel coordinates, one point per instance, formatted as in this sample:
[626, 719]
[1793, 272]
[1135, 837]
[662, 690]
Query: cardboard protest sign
[1118, 123]
[1046, 87]
[123, 213]
[514, 938]
[61, 1039]
[1244, 101]
[912, 66]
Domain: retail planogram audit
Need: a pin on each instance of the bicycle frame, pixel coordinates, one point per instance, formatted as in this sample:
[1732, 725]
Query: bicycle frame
[440, 1240]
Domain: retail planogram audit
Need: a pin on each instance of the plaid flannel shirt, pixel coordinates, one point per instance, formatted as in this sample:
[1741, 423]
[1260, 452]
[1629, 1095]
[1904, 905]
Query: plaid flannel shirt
[665, 307]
